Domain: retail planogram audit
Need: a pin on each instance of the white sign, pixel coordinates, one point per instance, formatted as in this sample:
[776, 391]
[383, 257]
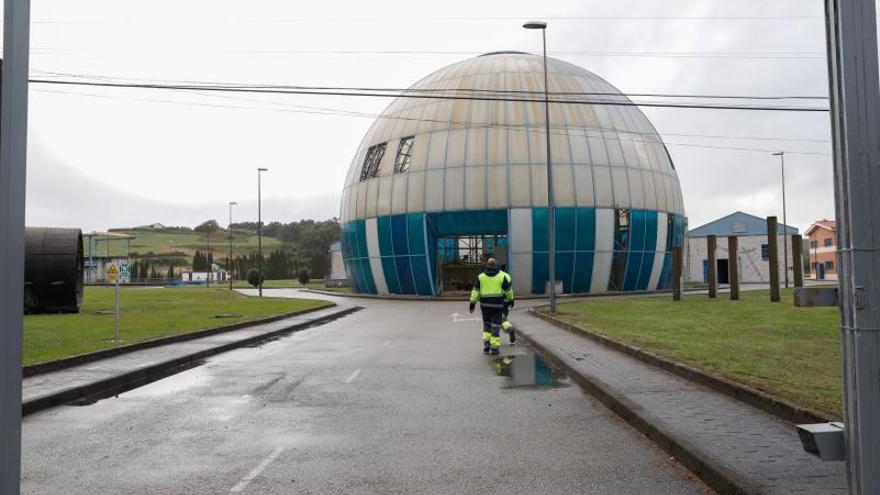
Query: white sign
[125, 272]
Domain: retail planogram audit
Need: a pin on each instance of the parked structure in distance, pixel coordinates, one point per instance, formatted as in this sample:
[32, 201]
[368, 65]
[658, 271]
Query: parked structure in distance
[439, 184]
[753, 253]
[823, 249]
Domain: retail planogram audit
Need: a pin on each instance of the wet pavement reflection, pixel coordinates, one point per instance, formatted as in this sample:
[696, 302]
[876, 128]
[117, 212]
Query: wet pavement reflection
[527, 369]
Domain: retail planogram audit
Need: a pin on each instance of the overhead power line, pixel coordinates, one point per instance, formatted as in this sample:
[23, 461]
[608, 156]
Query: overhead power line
[304, 90]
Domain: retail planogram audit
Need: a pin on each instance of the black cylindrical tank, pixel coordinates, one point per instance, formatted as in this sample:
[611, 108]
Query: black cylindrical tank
[53, 270]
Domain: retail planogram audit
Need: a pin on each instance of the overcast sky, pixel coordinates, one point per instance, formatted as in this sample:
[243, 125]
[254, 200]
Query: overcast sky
[102, 158]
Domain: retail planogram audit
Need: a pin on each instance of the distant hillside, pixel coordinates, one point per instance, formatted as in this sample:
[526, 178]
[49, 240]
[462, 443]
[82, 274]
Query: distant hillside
[179, 243]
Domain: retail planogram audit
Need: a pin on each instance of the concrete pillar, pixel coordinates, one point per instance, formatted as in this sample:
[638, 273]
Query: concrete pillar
[676, 274]
[797, 259]
[711, 243]
[773, 255]
[733, 266]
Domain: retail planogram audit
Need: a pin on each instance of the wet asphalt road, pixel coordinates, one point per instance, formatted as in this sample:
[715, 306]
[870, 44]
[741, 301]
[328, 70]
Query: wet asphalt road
[393, 399]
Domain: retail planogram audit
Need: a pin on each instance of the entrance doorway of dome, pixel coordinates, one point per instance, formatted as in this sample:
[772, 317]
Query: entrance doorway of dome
[460, 258]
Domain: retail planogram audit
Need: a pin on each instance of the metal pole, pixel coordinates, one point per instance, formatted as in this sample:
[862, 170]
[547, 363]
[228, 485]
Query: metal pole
[733, 266]
[711, 243]
[229, 258]
[260, 229]
[13, 168]
[855, 124]
[209, 270]
[797, 259]
[773, 258]
[551, 198]
[116, 313]
[781, 156]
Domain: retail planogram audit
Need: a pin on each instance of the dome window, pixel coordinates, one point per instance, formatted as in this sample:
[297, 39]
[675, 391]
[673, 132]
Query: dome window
[404, 154]
[373, 161]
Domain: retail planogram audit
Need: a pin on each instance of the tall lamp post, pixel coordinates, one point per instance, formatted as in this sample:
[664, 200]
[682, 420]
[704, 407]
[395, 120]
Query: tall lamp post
[260, 226]
[229, 256]
[781, 156]
[551, 200]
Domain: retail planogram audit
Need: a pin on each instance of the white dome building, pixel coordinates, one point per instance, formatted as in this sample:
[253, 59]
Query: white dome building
[439, 184]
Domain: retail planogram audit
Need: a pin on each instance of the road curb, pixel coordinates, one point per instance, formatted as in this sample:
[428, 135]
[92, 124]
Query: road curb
[715, 475]
[60, 364]
[768, 403]
[141, 376]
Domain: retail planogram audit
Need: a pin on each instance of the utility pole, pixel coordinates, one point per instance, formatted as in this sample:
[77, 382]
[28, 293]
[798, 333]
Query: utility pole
[209, 270]
[229, 257]
[851, 34]
[781, 156]
[260, 227]
[13, 168]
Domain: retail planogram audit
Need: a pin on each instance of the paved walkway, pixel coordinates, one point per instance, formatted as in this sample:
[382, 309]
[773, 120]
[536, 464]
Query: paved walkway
[759, 452]
[47, 384]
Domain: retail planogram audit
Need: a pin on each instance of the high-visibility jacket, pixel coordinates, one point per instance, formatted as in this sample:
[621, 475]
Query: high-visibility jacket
[492, 289]
[507, 276]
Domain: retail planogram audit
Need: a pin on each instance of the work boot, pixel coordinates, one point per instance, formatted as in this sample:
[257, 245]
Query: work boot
[486, 347]
[512, 336]
[494, 352]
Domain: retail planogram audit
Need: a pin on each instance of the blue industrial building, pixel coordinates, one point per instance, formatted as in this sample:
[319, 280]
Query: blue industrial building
[438, 185]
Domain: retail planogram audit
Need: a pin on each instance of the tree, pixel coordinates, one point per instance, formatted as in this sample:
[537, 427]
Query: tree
[254, 277]
[171, 271]
[208, 227]
[303, 276]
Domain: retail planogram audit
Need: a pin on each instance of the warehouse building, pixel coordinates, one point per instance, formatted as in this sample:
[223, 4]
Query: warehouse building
[440, 184]
[753, 250]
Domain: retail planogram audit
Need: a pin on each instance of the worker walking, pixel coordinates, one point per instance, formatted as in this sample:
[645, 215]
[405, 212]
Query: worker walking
[492, 290]
[506, 325]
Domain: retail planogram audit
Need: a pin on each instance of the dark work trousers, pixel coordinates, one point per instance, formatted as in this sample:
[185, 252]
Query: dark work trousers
[492, 326]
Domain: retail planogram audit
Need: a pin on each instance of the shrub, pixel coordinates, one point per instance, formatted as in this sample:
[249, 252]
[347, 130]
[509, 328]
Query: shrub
[303, 276]
[254, 277]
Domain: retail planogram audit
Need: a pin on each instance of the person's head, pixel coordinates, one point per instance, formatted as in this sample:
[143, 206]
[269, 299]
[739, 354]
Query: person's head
[491, 263]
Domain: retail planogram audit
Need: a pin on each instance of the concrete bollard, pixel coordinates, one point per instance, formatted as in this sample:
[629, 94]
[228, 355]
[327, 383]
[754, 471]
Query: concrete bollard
[773, 255]
[797, 259]
[733, 266]
[711, 243]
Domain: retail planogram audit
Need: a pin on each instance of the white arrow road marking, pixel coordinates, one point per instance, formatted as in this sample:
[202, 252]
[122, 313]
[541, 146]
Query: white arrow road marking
[458, 318]
[257, 470]
[353, 376]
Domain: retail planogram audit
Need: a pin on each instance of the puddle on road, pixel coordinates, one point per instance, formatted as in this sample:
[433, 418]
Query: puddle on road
[528, 369]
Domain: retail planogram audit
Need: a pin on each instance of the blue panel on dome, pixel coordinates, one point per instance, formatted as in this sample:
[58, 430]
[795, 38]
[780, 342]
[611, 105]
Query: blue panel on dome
[540, 272]
[369, 285]
[389, 269]
[416, 232]
[404, 274]
[650, 246]
[677, 231]
[566, 219]
[636, 248]
[564, 269]
[383, 226]
[583, 271]
[586, 229]
[420, 275]
[361, 233]
[398, 235]
[666, 273]
[468, 222]
[539, 230]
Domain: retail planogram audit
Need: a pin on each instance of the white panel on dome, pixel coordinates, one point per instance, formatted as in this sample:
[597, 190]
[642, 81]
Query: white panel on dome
[520, 185]
[372, 232]
[519, 231]
[398, 193]
[559, 149]
[384, 195]
[539, 185]
[479, 113]
[343, 206]
[426, 121]
[659, 251]
[583, 184]
[476, 146]
[615, 153]
[420, 152]
[636, 189]
[372, 191]
[604, 250]
[537, 145]
[578, 143]
[630, 156]
[437, 149]
[563, 178]
[650, 190]
[415, 195]
[621, 187]
[660, 187]
[455, 148]
[604, 191]
[671, 199]
[475, 188]
[460, 111]
[497, 145]
[496, 177]
[518, 145]
[441, 116]
[352, 203]
[362, 200]
[598, 152]
[454, 189]
[676, 190]
[434, 190]
[521, 271]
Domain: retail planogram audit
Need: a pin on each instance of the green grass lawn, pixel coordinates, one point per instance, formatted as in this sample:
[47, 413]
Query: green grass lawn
[790, 352]
[146, 313]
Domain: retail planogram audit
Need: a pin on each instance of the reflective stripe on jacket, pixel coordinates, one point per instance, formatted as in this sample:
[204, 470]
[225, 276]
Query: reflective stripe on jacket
[492, 289]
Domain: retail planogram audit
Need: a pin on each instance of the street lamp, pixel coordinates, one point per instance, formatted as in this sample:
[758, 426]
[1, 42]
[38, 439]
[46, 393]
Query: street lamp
[781, 156]
[551, 200]
[229, 257]
[260, 226]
